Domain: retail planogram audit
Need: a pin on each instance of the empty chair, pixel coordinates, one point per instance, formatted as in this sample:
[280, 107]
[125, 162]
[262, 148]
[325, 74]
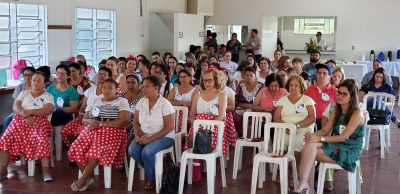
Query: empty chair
[277, 156]
[257, 120]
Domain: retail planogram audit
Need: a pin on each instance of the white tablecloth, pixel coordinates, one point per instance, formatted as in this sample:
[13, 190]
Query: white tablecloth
[355, 70]
[392, 68]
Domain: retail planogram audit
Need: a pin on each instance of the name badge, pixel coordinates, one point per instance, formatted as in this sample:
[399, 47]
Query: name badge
[325, 97]
[95, 112]
[38, 102]
[79, 89]
[214, 110]
[178, 97]
[341, 129]
[60, 102]
[275, 103]
[299, 108]
[254, 99]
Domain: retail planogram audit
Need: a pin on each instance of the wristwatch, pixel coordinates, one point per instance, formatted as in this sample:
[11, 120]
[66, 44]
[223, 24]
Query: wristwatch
[298, 126]
[322, 139]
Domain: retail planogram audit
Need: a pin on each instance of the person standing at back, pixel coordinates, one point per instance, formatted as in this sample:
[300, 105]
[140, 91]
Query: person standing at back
[254, 43]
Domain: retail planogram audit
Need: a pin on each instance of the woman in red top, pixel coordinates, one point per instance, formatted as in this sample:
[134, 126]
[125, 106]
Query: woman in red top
[267, 97]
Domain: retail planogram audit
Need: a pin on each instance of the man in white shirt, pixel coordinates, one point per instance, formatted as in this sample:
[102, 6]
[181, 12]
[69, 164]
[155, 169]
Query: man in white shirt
[254, 43]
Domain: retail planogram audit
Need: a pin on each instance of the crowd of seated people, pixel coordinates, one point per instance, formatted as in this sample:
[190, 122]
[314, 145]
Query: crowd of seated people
[109, 113]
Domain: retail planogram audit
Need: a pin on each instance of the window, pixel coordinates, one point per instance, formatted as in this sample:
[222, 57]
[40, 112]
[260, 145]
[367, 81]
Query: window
[95, 34]
[23, 35]
[312, 26]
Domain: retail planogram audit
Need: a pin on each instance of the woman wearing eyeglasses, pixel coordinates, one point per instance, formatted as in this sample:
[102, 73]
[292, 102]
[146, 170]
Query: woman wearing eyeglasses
[209, 104]
[234, 46]
[27, 85]
[320, 42]
[74, 127]
[66, 98]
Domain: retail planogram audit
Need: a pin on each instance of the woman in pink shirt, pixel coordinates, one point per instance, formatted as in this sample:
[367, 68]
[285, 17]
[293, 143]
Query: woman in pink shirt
[267, 97]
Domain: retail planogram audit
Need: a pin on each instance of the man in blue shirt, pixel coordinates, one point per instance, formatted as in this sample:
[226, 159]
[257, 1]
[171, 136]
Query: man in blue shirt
[368, 76]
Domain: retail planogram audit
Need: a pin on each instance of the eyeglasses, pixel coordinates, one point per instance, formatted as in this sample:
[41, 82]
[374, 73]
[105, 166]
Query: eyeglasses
[208, 81]
[342, 94]
[61, 73]
[28, 75]
[159, 72]
[102, 75]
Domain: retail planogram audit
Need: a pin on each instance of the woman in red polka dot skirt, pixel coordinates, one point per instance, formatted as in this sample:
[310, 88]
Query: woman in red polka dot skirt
[209, 104]
[74, 127]
[29, 132]
[103, 140]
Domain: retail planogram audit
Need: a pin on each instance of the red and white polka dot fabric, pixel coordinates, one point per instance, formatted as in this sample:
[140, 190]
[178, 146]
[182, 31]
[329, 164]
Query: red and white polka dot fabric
[30, 142]
[227, 136]
[180, 121]
[89, 68]
[73, 128]
[106, 144]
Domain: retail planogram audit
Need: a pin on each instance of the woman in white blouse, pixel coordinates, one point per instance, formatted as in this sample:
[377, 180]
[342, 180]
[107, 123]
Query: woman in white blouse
[161, 72]
[29, 131]
[151, 137]
[229, 65]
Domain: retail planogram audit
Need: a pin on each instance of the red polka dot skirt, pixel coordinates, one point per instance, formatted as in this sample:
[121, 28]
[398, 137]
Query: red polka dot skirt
[72, 128]
[30, 142]
[227, 138]
[180, 121]
[106, 144]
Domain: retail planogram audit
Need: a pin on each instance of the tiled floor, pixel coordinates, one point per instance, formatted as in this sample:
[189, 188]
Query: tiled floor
[381, 176]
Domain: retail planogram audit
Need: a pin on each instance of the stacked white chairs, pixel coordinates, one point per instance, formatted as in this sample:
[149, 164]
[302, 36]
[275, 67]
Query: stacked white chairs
[209, 158]
[158, 169]
[277, 156]
[384, 130]
[183, 133]
[257, 119]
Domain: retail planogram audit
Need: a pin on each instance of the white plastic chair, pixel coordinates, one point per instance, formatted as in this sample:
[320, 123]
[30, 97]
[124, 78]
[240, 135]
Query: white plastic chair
[256, 124]
[158, 169]
[209, 158]
[278, 149]
[31, 163]
[58, 141]
[107, 173]
[384, 130]
[353, 178]
[235, 80]
[178, 135]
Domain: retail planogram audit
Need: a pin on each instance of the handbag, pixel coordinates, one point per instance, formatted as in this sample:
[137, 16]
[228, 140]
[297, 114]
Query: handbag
[170, 180]
[203, 142]
[378, 117]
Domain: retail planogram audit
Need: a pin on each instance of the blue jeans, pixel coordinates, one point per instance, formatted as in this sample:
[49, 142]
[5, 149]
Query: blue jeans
[145, 155]
[7, 121]
[59, 117]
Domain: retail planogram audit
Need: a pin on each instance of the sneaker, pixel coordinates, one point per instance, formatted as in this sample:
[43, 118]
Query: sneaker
[47, 178]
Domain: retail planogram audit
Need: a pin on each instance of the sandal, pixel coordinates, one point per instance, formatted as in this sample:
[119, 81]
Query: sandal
[150, 185]
[328, 187]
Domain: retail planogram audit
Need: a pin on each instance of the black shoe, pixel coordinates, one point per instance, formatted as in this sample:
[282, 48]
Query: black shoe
[398, 125]
[72, 163]
[18, 158]
[204, 174]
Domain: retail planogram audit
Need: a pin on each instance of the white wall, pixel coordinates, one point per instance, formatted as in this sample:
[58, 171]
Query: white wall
[360, 23]
[130, 26]
[190, 25]
[269, 34]
[167, 6]
[161, 33]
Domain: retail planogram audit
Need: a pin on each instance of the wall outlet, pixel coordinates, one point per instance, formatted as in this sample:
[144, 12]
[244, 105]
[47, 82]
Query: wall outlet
[201, 34]
[180, 34]
[352, 47]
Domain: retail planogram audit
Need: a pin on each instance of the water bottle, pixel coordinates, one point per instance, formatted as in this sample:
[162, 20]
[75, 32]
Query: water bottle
[390, 56]
[363, 58]
[381, 56]
[398, 55]
[21, 78]
[372, 56]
